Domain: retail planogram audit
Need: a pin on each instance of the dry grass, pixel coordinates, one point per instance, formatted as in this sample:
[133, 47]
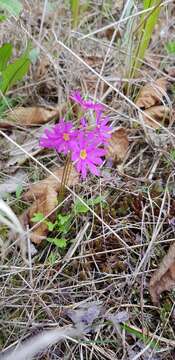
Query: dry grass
[117, 247]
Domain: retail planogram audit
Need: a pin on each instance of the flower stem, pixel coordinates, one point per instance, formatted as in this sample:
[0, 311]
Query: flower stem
[65, 178]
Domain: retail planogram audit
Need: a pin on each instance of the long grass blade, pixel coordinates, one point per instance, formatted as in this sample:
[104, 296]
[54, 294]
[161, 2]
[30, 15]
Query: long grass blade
[145, 29]
[75, 6]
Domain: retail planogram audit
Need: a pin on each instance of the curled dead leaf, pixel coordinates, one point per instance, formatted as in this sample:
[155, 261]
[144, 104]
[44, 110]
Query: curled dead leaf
[164, 277]
[152, 94]
[30, 116]
[150, 99]
[44, 196]
[44, 205]
[160, 113]
[118, 145]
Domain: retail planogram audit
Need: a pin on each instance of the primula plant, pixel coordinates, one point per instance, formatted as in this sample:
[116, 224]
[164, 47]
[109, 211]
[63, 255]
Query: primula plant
[86, 144]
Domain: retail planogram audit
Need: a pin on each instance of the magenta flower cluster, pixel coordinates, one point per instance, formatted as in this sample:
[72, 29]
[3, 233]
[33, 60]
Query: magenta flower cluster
[86, 145]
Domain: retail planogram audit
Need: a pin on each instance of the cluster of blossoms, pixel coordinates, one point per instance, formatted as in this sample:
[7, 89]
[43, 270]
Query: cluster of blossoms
[86, 145]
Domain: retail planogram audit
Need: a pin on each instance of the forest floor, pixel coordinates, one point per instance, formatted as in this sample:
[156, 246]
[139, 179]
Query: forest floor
[90, 262]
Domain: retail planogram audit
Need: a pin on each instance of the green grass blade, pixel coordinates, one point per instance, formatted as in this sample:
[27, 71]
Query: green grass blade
[14, 72]
[148, 22]
[145, 338]
[149, 26]
[5, 55]
[75, 6]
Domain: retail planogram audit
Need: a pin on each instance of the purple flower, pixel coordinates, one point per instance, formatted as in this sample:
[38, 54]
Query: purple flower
[60, 137]
[86, 104]
[83, 123]
[85, 315]
[118, 317]
[86, 154]
[102, 130]
[84, 142]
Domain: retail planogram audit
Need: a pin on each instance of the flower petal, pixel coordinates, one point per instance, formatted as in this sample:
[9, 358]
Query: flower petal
[83, 169]
[95, 160]
[93, 169]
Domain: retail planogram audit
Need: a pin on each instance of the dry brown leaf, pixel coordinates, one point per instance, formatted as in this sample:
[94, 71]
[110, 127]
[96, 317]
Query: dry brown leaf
[150, 99]
[118, 145]
[109, 33]
[30, 116]
[45, 204]
[38, 189]
[29, 146]
[152, 94]
[44, 195]
[159, 113]
[164, 277]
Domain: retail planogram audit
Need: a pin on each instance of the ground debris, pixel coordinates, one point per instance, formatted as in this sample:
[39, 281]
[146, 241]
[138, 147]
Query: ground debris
[12, 183]
[152, 94]
[160, 113]
[118, 145]
[164, 277]
[29, 146]
[44, 196]
[154, 100]
[85, 315]
[30, 116]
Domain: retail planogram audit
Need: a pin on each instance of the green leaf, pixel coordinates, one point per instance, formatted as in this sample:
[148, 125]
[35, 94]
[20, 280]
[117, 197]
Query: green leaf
[80, 208]
[52, 258]
[60, 243]
[50, 225]
[14, 72]
[14, 7]
[170, 47]
[63, 219]
[19, 190]
[2, 18]
[5, 55]
[63, 222]
[97, 200]
[37, 217]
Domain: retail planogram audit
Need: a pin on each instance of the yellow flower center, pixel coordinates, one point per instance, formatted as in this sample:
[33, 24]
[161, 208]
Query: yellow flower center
[66, 137]
[83, 154]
